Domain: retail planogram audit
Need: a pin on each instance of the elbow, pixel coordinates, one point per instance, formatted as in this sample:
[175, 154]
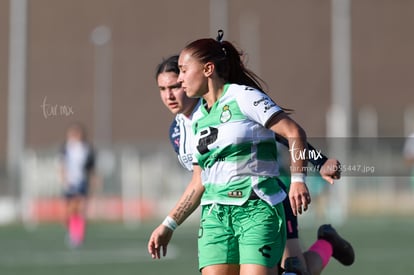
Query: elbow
[297, 132]
[301, 133]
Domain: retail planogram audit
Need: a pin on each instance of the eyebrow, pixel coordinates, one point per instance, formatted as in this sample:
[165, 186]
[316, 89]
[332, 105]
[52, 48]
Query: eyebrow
[176, 85]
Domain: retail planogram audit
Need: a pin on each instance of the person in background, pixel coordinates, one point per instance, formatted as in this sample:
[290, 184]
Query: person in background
[77, 173]
[183, 107]
[408, 154]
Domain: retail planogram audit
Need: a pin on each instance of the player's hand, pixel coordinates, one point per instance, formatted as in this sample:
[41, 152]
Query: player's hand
[299, 197]
[331, 170]
[158, 241]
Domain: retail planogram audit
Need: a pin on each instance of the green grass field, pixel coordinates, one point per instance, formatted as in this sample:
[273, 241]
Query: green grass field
[382, 246]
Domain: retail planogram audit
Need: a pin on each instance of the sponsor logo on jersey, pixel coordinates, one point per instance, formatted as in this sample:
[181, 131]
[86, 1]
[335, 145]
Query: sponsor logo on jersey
[266, 102]
[235, 194]
[176, 132]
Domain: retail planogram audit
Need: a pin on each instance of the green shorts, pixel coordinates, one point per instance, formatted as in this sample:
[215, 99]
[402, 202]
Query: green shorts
[254, 233]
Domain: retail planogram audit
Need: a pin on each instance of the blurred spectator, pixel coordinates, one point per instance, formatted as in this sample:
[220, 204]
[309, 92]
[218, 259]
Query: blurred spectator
[77, 173]
[408, 154]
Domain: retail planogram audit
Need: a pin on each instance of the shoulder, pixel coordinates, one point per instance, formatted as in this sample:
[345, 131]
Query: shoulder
[174, 128]
[233, 87]
[243, 93]
[246, 96]
[174, 134]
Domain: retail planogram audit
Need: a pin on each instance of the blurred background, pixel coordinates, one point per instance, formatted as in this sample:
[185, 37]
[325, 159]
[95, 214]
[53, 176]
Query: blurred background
[345, 67]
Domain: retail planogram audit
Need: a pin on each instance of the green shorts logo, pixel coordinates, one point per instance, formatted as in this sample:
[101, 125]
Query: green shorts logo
[264, 249]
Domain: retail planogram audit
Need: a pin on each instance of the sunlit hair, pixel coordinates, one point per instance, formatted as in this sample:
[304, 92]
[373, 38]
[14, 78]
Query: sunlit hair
[228, 62]
[169, 65]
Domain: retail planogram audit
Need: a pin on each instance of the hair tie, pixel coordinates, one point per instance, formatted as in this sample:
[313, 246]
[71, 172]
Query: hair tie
[220, 35]
[219, 39]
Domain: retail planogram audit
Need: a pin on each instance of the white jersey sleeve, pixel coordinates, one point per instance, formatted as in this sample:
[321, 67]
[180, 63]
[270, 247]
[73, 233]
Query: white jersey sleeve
[256, 105]
[185, 142]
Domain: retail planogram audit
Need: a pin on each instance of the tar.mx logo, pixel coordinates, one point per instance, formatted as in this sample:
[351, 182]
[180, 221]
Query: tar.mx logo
[53, 110]
[303, 154]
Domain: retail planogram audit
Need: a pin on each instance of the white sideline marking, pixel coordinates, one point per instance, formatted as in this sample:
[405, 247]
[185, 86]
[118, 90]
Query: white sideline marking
[83, 256]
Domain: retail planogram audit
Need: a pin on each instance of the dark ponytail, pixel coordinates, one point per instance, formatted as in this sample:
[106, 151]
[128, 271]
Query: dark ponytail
[238, 73]
[227, 60]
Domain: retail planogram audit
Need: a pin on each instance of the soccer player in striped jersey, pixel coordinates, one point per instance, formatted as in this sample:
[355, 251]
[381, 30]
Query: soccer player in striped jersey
[174, 98]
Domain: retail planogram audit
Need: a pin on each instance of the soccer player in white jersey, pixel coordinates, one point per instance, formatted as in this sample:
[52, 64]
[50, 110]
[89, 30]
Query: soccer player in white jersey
[77, 170]
[172, 96]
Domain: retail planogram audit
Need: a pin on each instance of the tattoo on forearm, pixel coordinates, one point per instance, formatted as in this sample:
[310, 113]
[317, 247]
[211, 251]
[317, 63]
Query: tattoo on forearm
[185, 207]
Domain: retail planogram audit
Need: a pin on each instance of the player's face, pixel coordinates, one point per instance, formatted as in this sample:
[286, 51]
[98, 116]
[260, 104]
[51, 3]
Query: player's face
[74, 134]
[192, 77]
[172, 94]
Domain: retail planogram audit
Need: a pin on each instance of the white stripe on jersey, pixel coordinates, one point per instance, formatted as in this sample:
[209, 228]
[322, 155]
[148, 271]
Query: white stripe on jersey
[185, 156]
[232, 143]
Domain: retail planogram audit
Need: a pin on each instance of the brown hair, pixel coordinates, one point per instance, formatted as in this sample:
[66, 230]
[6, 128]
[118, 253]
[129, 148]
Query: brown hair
[227, 60]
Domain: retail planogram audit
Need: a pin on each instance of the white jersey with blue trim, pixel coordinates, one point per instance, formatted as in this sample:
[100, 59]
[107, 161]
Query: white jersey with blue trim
[182, 139]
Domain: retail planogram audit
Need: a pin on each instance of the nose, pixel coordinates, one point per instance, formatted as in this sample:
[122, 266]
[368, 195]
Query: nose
[170, 93]
[180, 78]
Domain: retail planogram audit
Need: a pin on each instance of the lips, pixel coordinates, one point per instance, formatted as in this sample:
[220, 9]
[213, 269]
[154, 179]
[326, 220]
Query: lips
[173, 105]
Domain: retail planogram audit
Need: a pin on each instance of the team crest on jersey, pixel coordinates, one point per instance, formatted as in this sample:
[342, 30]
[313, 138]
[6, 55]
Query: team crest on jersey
[226, 114]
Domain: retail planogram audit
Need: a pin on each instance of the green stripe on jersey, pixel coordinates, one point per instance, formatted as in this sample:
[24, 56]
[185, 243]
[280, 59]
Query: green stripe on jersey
[234, 148]
[267, 150]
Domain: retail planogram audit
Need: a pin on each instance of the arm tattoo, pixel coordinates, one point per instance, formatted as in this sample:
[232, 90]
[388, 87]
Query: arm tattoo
[185, 207]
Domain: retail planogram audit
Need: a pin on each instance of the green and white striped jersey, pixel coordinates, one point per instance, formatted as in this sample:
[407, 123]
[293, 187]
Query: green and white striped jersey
[234, 148]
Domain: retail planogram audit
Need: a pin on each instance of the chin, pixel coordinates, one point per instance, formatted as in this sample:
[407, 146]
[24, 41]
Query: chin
[176, 111]
[192, 96]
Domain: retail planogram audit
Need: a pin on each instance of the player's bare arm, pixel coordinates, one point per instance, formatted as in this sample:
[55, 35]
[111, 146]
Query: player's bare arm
[189, 201]
[283, 125]
[329, 169]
